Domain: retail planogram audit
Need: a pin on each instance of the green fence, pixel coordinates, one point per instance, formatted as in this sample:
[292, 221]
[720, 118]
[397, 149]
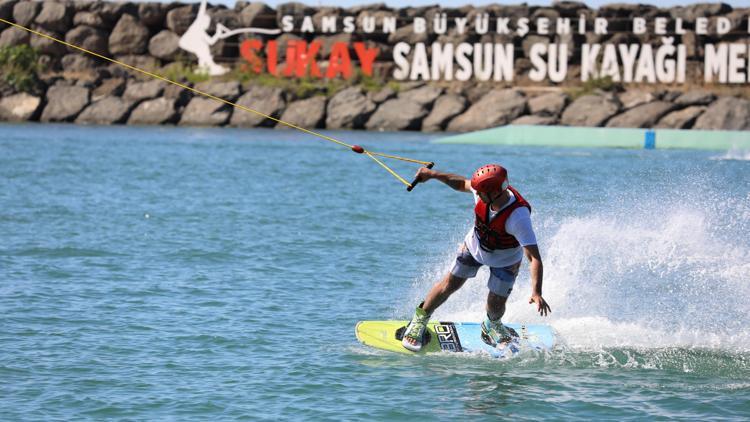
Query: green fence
[586, 137]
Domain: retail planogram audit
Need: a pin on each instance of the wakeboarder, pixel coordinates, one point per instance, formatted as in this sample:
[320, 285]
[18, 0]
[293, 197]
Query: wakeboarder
[501, 236]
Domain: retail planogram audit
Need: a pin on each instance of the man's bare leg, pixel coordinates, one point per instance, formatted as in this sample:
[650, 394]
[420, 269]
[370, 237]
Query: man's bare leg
[438, 294]
[492, 326]
[441, 291]
[495, 306]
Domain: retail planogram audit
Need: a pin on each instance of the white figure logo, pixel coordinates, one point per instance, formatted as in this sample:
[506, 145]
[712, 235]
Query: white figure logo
[197, 41]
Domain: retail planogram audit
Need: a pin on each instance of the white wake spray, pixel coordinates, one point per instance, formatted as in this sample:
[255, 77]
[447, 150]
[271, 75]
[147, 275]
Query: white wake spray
[666, 272]
[734, 154]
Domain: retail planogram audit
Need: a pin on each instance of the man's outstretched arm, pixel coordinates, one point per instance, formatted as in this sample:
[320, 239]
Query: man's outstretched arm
[537, 273]
[455, 181]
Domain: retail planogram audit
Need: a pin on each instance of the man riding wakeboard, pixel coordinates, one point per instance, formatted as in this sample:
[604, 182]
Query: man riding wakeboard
[501, 236]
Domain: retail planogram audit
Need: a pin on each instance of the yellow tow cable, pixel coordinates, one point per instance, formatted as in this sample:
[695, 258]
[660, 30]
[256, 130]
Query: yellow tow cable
[356, 148]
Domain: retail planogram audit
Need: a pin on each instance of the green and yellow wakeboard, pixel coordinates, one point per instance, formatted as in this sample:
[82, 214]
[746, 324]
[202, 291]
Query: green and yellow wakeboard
[456, 337]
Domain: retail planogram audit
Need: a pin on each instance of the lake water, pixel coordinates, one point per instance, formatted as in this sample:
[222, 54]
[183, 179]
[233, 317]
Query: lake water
[173, 273]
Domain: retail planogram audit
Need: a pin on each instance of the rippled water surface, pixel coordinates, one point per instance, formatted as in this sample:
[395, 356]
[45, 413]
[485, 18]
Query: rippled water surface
[150, 273]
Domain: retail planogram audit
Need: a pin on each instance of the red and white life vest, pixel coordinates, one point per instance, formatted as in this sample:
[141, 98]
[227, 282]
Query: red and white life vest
[491, 233]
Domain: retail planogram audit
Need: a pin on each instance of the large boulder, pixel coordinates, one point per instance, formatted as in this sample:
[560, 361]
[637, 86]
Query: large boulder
[349, 109]
[81, 5]
[258, 15]
[445, 108]
[681, 119]
[499, 107]
[129, 36]
[381, 96]
[179, 19]
[55, 16]
[24, 12]
[737, 21]
[202, 111]
[226, 17]
[154, 112]
[107, 111]
[406, 34]
[152, 14]
[427, 11]
[112, 11]
[308, 113]
[569, 9]
[727, 113]
[550, 104]
[623, 10]
[181, 95]
[78, 63]
[14, 36]
[699, 10]
[671, 96]
[410, 85]
[545, 12]
[366, 7]
[475, 91]
[46, 46]
[139, 91]
[264, 99]
[90, 19]
[6, 9]
[88, 37]
[424, 96]
[645, 115]
[141, 61]
[452, 36]
[19, 107]
[511, 11]
[635, 97]
[111, 87]
[229, 90]
[164, 45]
[64, 103]
[696, 97]
[397, 114]
[590, 110]
[534, 120]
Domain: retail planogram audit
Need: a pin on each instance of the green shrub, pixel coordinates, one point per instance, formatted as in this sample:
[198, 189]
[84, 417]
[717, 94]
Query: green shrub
[181, 72]
[605, 84]
[370, 83]
[298, 88]
[592, 85]
[19, 67]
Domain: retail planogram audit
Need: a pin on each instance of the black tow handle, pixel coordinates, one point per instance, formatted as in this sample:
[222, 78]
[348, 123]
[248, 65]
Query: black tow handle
[414, 182]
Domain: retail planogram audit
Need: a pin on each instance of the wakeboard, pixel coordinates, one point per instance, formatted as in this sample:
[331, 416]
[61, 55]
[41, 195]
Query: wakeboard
[457, 337]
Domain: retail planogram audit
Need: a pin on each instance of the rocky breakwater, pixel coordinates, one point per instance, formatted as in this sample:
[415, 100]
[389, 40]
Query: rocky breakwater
[73, 87]
[423, 107]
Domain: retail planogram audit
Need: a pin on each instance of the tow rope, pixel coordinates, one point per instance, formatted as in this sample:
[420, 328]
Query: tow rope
[355, 148]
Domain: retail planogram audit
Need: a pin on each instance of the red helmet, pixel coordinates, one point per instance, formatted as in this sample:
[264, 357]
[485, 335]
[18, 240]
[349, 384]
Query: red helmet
[490, 178]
